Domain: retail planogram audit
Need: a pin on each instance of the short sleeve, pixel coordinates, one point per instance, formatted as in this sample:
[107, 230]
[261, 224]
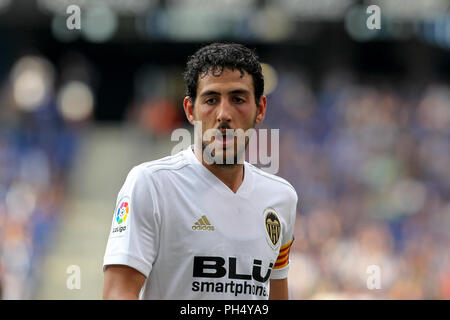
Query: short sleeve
[134, 235]
[281, 267]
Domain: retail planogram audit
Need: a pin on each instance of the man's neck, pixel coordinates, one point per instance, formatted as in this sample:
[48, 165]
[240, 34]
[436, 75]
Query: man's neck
[231, 175]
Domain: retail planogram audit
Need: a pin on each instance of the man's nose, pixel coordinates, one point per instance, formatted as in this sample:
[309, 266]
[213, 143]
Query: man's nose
[224, 111]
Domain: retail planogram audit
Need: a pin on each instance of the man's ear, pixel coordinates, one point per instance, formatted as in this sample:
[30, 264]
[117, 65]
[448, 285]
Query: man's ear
[261, 109]
[189, 109]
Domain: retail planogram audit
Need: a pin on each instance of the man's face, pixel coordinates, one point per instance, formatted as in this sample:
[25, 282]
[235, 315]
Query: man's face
[225, 102]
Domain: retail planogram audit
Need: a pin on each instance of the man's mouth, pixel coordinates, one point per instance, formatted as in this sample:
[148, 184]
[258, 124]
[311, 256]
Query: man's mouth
[225, 137]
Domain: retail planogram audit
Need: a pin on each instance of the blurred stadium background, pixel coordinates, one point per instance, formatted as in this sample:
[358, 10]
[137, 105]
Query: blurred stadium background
[364, 118]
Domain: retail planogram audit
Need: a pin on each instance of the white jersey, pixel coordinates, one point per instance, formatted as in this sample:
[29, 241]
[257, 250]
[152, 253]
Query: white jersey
[194, 238]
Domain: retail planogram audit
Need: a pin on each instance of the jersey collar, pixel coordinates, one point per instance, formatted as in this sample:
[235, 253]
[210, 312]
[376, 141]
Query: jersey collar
[244, 189]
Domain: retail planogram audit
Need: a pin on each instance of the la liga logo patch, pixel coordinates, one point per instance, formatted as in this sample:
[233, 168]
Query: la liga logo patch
[121, 217]
[122, 212]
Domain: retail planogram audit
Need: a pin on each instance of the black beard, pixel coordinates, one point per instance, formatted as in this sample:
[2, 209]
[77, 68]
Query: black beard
[213, 160]
[238, 153]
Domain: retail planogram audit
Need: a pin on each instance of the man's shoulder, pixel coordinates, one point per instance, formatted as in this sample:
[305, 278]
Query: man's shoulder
[278, 184]
[154, 168]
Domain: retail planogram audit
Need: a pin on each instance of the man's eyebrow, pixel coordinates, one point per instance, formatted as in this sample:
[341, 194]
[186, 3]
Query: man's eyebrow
[212, 92]
[209, 93]
[240, 91]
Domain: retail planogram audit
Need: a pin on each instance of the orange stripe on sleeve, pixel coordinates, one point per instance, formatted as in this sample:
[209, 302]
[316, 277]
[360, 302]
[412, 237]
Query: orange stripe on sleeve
[282, 263]
[283, 256]
[287, 245]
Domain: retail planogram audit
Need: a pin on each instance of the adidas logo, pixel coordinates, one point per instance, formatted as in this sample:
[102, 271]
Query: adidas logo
[203, 224]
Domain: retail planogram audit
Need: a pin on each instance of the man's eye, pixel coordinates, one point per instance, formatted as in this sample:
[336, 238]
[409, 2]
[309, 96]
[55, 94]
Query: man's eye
[238, 100]
[210, 101]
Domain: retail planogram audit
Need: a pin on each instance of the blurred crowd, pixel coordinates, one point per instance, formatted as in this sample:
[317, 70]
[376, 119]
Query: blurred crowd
[37, 147]
[370, 160]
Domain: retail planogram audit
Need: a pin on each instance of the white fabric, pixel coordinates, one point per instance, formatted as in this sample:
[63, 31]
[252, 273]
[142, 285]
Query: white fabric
[161, 238]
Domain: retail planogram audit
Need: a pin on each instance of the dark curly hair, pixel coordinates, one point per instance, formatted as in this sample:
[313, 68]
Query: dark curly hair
[215, 58]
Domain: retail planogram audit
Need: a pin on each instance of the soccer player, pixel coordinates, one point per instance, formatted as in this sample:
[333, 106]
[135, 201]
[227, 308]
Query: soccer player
[189, 226]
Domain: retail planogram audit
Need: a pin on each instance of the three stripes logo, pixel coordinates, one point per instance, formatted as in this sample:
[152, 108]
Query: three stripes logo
[203, 224]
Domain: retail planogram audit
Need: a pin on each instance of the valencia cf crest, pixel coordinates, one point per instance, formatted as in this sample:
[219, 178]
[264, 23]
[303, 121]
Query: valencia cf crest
[273, 225]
